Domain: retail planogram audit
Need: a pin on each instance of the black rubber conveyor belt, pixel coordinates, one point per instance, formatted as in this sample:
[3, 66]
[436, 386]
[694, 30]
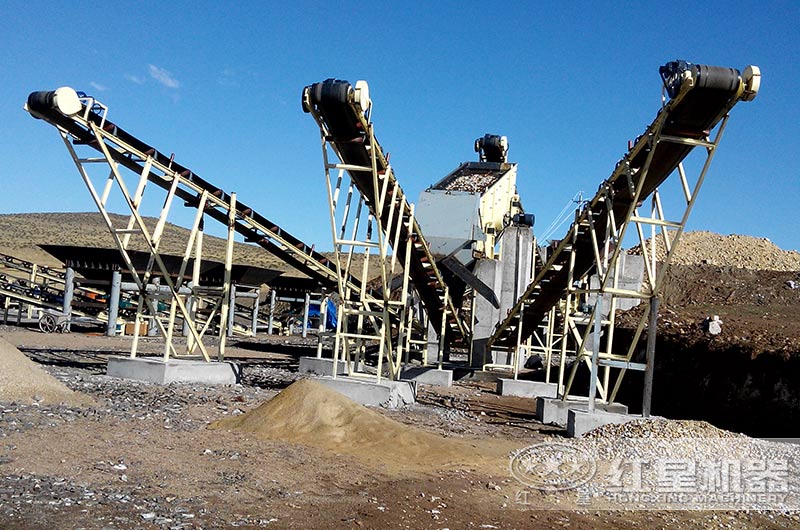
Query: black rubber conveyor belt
[345, 124]
[303, 257]
[700, 101]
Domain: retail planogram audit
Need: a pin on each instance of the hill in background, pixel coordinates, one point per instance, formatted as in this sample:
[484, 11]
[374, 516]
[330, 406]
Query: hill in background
[737, 251]
[20, 235]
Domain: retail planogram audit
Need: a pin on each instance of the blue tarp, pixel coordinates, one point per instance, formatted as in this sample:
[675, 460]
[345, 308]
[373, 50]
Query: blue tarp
[313, 311]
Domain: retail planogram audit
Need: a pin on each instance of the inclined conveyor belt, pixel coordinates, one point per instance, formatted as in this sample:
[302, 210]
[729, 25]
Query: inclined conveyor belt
[133, 153]
[701, 97]
[333, 105]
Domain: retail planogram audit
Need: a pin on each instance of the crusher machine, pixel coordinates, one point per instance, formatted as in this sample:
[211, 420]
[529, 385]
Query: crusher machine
[481, 237]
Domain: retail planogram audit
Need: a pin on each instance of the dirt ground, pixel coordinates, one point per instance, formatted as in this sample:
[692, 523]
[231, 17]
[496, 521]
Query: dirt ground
[145, 458]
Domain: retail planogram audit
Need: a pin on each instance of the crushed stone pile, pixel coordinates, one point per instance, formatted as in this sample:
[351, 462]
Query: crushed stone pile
[310, 413]
[23, 380]
[742, 252]
[660, 428]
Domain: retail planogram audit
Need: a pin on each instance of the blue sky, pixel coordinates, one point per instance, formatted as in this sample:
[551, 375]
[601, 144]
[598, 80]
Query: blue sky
[219, 85]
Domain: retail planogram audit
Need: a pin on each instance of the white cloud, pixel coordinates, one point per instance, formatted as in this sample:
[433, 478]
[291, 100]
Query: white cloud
[228, 78]
[98, 86]
[139, 80]
[163, 76]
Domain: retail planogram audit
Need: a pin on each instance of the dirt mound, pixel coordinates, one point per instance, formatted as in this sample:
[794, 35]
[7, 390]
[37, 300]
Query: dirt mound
[24, 381]
[743, 252]
[310, 413]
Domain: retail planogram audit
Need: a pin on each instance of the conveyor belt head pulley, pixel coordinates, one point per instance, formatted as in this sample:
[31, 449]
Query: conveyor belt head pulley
[492, 148]
[675, 73]
[64, 99]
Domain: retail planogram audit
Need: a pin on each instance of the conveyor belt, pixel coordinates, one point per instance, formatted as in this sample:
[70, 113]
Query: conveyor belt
[343, 121]
[12, 262]
[38, 293]
[27, 298]
[703, 95]
[136, 155]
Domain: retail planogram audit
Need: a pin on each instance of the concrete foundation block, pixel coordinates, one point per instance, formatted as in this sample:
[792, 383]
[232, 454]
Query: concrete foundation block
[388, 394]
[507, 358]
[320, 366]
[527, 389]
[484, 376]
[173, 371]
[579, 422]
[426, 375]
[554, 411]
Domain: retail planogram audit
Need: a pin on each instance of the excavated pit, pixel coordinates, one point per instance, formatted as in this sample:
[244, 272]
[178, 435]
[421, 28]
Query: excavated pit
[745, 378]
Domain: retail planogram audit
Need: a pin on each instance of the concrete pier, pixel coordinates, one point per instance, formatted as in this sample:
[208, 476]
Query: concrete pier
[387, 393]
[527, 389]
[428, 375]
[579, 422]
[554, 410]
[155, 370]
[320, 366]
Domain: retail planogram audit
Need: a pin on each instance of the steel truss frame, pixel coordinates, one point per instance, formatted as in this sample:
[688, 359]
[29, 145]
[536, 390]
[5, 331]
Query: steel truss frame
[426, 276]
[122, 236]
[379, 321]
[91, 127]
[183, 298]
[606, 249]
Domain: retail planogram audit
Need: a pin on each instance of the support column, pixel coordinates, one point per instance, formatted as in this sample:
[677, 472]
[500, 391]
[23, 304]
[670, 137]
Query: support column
[598, 317]
[29, 310]
[190, 308]
[485, 316]
[69, 287]
[254, 320]
[226, 286]
[271, 311]
[323, 322]
[113, 303]
[432, 347]
[647, 393]
[306, 304]
[232, 310]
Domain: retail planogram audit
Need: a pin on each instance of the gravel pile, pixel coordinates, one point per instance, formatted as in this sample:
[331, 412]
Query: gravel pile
[688, 465]
[743, 252]
[470, 181]
[127, 400]
[660, 428]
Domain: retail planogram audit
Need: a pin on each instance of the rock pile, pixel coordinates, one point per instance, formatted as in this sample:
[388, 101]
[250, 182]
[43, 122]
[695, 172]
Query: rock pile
[742, 252]
[471, 181]
[660, 428]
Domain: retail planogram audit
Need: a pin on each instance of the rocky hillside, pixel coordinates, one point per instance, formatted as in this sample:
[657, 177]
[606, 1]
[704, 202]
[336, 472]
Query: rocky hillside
[741, 252]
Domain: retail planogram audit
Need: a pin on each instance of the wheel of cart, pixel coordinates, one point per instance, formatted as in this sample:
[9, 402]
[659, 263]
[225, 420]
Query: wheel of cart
[51, 322]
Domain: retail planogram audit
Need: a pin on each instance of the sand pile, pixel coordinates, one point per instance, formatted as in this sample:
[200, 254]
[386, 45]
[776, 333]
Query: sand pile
[310, 413]
[742, 252]
[24, 381]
